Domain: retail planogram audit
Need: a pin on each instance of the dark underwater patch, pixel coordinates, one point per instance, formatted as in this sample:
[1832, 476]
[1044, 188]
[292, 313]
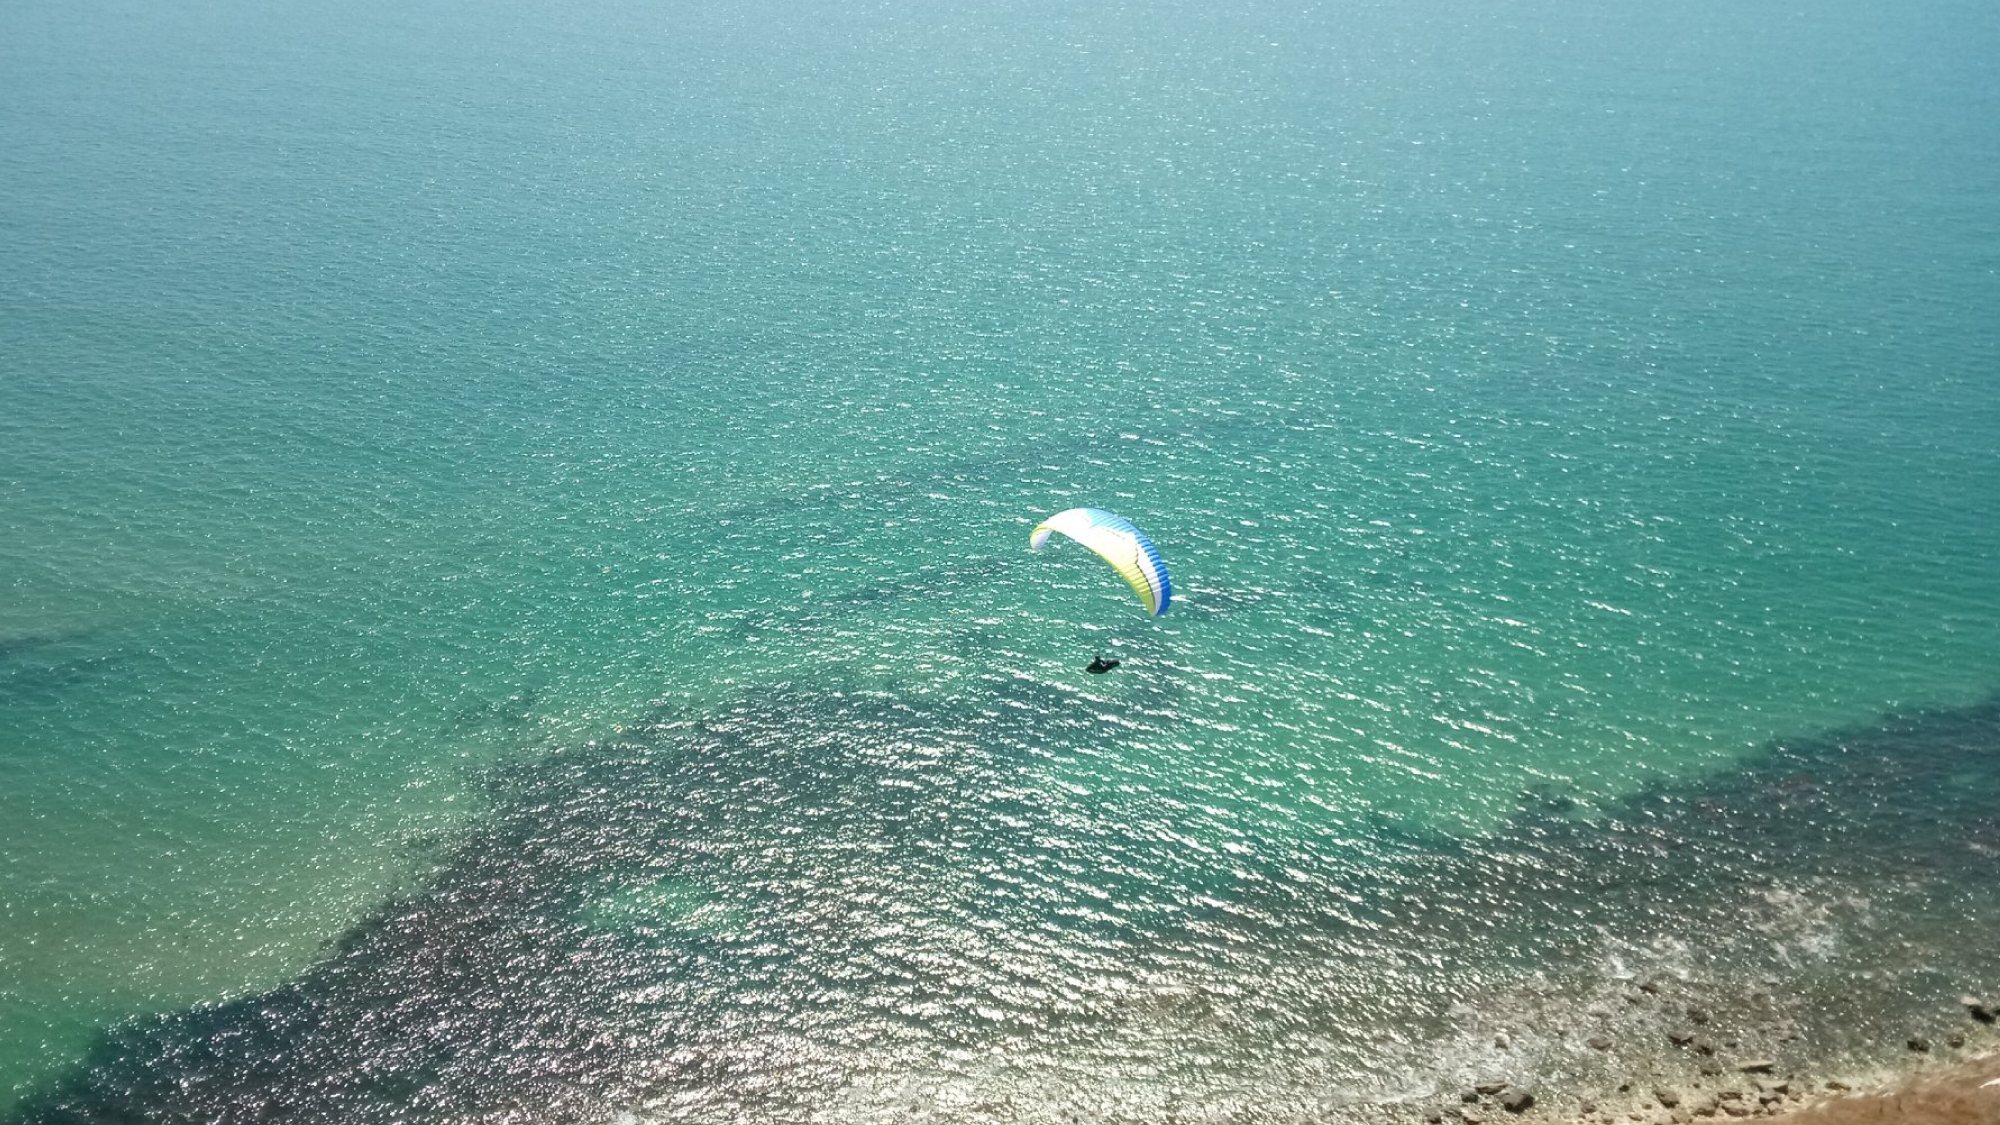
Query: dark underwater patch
[486, 993]
[42, 666]
[13, 645]
[809, 874]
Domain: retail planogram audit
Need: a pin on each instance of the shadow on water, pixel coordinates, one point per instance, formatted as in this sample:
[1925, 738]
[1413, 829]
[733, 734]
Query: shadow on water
[734, 916]
[19, 644]
[42, 666]
[516, 709]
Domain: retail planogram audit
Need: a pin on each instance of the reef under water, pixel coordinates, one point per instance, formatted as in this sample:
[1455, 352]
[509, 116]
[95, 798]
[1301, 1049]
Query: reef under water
[825, 905]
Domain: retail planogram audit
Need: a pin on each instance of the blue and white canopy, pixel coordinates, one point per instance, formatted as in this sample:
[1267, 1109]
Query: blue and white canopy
[1119, 543]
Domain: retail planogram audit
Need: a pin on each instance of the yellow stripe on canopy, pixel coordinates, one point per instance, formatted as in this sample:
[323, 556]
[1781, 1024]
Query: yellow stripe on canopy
[1118, 542]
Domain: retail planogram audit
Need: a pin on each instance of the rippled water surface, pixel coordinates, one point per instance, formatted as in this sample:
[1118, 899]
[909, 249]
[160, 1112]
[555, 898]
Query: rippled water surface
[513, 589]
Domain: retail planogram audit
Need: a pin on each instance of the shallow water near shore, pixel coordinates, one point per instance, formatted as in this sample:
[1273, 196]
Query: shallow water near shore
[516, 601]
[848, 905]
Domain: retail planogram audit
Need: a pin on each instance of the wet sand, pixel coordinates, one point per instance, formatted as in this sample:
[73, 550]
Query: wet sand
[1965, 1094]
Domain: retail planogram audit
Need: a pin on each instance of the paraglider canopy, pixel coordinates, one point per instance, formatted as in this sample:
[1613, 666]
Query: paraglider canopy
[1119, 543]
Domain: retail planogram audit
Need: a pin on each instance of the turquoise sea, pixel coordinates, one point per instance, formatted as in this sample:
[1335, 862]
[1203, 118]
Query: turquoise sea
[514, 599]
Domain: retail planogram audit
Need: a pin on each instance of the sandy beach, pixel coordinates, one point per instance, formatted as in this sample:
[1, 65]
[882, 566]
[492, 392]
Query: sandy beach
[1959, 1093]
[1964, 1094]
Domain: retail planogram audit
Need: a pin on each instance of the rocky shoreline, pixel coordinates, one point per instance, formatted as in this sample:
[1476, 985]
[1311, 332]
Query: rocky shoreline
[1720, 1069]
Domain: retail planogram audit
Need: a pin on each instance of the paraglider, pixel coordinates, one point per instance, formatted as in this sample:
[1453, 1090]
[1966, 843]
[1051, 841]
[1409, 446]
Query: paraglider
[1119, 543]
